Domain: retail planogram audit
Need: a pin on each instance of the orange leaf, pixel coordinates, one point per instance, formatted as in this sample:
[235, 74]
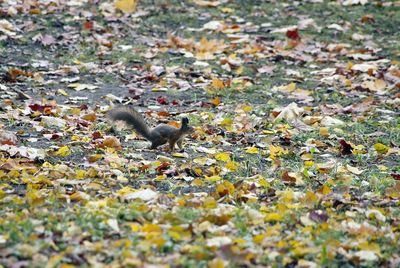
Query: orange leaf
[218, 84]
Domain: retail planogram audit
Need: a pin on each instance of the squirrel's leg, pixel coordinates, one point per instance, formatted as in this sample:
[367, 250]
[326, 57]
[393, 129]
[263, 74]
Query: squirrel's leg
[179, 142]
[171, 145]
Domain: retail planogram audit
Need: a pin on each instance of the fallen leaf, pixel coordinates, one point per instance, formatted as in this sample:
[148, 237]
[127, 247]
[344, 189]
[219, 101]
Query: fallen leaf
[145, 195]
[126, 6]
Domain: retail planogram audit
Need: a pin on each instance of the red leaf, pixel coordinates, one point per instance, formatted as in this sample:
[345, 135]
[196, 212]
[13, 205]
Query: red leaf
[345, 148]
[83, 107]
[88, 25]
[37, 107]
[161, 168]
[395, 176]
[55, 136]
[162, 100]
[293, 34]
[7, 142]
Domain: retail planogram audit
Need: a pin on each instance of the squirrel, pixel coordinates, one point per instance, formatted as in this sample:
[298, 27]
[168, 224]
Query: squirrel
[159, 135]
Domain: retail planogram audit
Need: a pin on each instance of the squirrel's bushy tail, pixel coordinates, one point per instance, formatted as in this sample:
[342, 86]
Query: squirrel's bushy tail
[132, 118]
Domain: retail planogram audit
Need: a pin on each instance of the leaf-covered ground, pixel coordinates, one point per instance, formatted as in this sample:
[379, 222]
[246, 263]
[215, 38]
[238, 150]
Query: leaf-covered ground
[295, 157]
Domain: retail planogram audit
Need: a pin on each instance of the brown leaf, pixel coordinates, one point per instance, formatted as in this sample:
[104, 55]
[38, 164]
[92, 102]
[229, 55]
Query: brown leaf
[288, 179]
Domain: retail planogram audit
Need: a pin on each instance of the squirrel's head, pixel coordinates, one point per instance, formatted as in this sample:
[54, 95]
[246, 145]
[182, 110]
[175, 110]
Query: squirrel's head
[185, 126]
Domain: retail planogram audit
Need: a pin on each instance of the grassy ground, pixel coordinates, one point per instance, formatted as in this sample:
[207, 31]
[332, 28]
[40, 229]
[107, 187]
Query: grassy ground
[295, 157]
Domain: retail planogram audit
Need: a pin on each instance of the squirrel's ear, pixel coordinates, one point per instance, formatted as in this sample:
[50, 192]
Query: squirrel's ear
[185, 121]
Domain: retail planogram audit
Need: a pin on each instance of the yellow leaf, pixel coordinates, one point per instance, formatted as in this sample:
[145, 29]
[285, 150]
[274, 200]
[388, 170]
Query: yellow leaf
[268, 132]
[180, 155]
[79, 196]
[222, 157]
[209, 202]
[326, 190]
[252, 150]
[62, 92]
[80, 174]
[263, 182]
[157, 89]
[54, 260]
[311, 197]
[291, 87]
[381, 148]
[247, 108]
[273, 217]
[324, 132]
[226, 122]
[155, 239]
[227, 10]
[175, 235]
[122, 179]
[232, 165]
[282, 244]
[92, 172]
[100, 204]
[126, 6]
[2, 194]
[198, 171]
[240, 241]
[126, 190]
[181, 202]
[13, 174]
[213, 178]
[276, 151]
[161, 177]
[288, 196]
[197, 182]
[308, 164]
[239, 70]
[151, 228]
[216, 263]
[75, 138]
[135, 227]
[225, 188]
[259, 238]
[90, 117]
[382, 167]
[63, 151]
[215, 170]
[34, 198]
[47, 165]
[359, 149]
